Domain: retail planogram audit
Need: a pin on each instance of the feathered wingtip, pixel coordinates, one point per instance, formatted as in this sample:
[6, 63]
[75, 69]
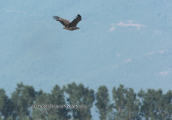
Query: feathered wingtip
[56, 18]
[78, 16]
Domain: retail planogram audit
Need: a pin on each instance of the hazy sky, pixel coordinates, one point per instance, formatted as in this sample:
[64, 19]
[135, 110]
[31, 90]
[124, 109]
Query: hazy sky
[119, 42]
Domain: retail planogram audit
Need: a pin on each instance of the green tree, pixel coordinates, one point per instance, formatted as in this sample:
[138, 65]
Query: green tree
[6, 106]
[103, 102]
[132, 105]
[126, 104]
[120, 101]
[168, 105]
[3, 98]
[79, 95]
[42, 98]
[156, 105]
[57, 98]
[10, 118]
[23, 98]
[149, 103]
[159, 105]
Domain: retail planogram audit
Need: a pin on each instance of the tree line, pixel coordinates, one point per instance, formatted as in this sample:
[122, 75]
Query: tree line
[125, 104]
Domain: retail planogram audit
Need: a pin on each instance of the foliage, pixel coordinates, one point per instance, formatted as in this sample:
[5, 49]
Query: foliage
[79, 95]
[23, 98]
[149, 105]
[6, 106]
[126, 103]
[155, 104]
[103, 102]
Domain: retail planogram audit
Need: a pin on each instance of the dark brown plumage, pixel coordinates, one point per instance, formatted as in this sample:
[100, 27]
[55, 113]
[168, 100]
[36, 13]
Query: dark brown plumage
[69, 26]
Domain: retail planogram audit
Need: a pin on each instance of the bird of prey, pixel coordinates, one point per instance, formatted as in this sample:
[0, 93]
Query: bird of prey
[69, 26]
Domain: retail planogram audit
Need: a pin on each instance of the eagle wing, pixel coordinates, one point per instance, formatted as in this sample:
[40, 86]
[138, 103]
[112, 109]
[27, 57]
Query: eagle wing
[63, 21]
[75, 21]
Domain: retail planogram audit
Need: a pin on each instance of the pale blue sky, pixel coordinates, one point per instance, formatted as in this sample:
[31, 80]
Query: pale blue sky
[119, 42]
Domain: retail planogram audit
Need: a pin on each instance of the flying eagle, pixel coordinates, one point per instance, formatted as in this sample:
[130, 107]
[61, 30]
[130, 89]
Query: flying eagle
[69, 26]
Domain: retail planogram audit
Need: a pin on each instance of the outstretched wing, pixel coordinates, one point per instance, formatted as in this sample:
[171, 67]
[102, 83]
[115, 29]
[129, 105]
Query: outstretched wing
[75, 21]
[63, 21]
